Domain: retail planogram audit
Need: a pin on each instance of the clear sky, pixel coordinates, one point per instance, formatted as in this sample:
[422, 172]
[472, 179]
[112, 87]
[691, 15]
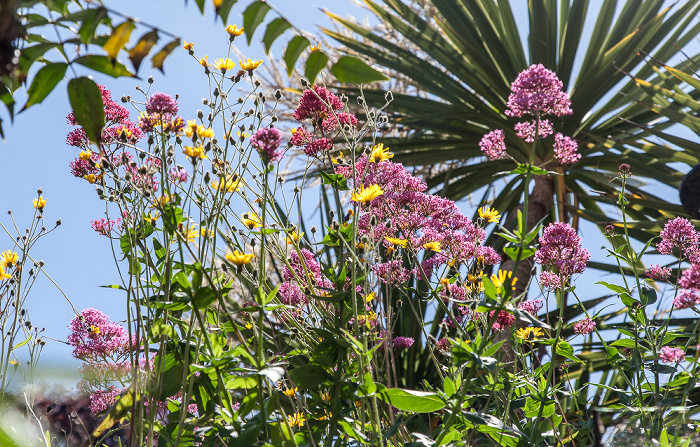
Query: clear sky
[34, 154]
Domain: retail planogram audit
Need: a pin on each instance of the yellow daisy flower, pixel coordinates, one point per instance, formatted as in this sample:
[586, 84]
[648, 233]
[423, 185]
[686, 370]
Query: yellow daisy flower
[366, 195]
[189, 46]
[203, 62]
[234, 31]
[296, 419]
[8, 259]
[434, 246]
[190, 128]
[238, 258]
[313, 49]
[294, 237]
[194, 152]
[188, 233]
[370, 296]
[151, 217]
[251, 220]
[489, 214]
[396, 241]
[39, 203]
[250, 65]
[85, 155]
[204, 132]
[162, 201]
[290, 392]
[379, 153]
[230, 183]
[500, 279]
[3, 274]
[224, 64]
[530, 334]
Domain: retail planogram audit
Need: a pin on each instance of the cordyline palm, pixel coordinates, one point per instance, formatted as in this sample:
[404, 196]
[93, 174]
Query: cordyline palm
[471, 52]
[470, 55]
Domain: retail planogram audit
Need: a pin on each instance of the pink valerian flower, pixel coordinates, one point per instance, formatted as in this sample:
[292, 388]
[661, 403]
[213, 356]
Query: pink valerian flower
[96, 338]
[267, 141]
[532, 306]
[178, 175]
[102, 400]
[526, 130]
[318, 145]
[493, 144]
[81, 168]
[443, 345]
[624, 170]
[317, 104]
[584, 327]
[503, 321]
[405, 211]
[335, 120]
[565, 149]
[290, 294]
[687, 298]
[402, 343]
[671, 355]
[298, 266]
[161, 103]
[678, 233]
[537, 91]
[104, 226]
[300, 137]
[658, 273]
[561, 253]
[553, 281]
[391, 272]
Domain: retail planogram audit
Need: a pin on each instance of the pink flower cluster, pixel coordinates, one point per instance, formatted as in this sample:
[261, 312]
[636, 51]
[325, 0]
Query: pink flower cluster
[561, 254]
[94, 337]
[493, 144]
[104, 226]
[680, 233]
[504, 320]
[324, 109]
[671, 355]
[584, 327]
[302, 272]
[536, 91]
[161, 110]
[406, 212]
[402, 343]
[267, 141]
[532, 306]
[658, 273]
[116, 122]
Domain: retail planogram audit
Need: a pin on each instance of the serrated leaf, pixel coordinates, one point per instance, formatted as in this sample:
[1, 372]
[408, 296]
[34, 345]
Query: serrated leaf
[274, 29]
[253, 16]
[104, 65]
[118, 39]
[295, 47]
[159, 58]
[142, 48]
[314, 64]
[44, 82]
[86, 101]
[351, 70]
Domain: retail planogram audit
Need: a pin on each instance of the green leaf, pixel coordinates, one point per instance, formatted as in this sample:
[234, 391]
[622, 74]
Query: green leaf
[44, 82]
[274, 29]
[253, 16]
[159, 58]
[412, 400]
[142, 48]
[614, 287]
[90, 22]
[244, 382]
[203, 298]
[314, 64]
[647, 295]
[565, 349]
[336, 180]
[225, 9]
[449, 387]
[351, 70]
[86, 101]
[295, 47]
[19, 345]
[118, 39]
[104, 65]
[512, 252]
